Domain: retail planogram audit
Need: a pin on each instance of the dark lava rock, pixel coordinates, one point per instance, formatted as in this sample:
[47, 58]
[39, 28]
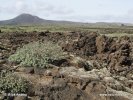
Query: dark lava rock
[84, 46]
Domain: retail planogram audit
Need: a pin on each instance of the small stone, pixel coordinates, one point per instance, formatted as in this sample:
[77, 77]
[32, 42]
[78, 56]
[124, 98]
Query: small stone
[132, 77]
[20, 69]
[35, 98]
[2, 97]
[0, 54]
[29, 70]
[20, 98]
[48, 73]
[109, 79]
[123, 79]
[2, 61]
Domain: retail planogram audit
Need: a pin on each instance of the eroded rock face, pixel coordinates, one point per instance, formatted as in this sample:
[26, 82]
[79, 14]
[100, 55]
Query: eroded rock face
[103, 44]
[84, 45]
[116, 54]
[71, 88]
[78, 84]
[120, 60]
[107, 68]
[60, 90]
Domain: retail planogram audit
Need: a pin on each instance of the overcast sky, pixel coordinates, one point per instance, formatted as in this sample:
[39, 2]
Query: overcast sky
[72, 10]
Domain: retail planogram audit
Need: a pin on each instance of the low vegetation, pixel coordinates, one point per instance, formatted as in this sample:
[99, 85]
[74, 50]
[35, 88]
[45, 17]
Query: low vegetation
[38, 54]
[67, 28]
[10, 83]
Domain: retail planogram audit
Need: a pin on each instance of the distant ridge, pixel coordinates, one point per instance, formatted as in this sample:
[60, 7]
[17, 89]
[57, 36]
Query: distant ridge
[31, 19]
[25, 19]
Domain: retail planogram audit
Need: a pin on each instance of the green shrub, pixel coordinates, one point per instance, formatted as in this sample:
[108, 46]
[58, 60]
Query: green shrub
[9, 83]
[38, 54]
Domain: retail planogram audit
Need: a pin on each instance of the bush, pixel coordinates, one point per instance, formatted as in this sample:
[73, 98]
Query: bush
[9, 83]
[38, 54]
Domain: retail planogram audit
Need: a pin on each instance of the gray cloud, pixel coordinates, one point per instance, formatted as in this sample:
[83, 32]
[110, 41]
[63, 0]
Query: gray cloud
[99, 18]
[37, 8]
[130, 11]
[50, 11]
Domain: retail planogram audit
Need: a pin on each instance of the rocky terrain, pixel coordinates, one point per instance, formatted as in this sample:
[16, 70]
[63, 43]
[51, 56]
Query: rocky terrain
[98, 67]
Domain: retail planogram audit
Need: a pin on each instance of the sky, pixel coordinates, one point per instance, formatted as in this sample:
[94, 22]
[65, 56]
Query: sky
[70, 10]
